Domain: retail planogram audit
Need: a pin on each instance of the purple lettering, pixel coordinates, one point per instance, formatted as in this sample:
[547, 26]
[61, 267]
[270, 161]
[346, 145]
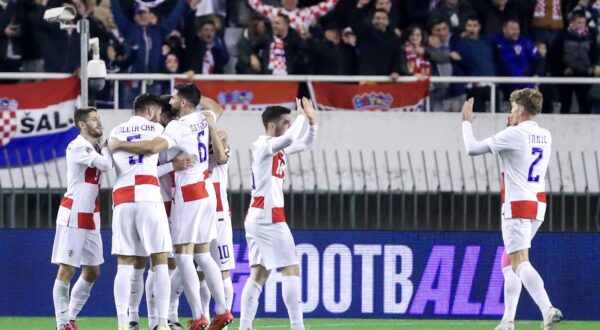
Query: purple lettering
[493, 301]
[439, 266]
[461, 305]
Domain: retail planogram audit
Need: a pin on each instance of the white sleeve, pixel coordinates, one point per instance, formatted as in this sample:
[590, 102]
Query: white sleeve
[303, 143]
[85, 154]
[104, 162]
[503, 140]
[472, 146]
[285, 140]
[165, 169]
[173, 133]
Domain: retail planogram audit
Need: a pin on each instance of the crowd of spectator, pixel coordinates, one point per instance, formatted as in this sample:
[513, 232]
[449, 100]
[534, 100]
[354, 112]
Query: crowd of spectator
[513, 38]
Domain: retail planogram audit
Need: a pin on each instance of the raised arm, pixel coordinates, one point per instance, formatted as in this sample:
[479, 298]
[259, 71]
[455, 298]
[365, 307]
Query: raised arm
[306, 141]
[261, 8]
[212, 105]
[292, 134]
[472, 146]
[322, 8]
[154, 146]
[217, 144]
[174, 18]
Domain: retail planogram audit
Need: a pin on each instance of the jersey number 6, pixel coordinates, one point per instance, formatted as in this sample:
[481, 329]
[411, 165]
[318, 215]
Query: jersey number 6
[540, 154]
[202, 151]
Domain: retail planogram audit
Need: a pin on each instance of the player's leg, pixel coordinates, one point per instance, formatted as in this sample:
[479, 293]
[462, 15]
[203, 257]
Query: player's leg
[150, 303]
[517, 234]
[91, 259]
[176, 290]
[512, 292]
[292, 294]
[221, 250]
[137, 291]
[122, 289]
[162, 287]
[204, 294]
[60, 294]
[81, 290]
[250, 294]
[228, 288]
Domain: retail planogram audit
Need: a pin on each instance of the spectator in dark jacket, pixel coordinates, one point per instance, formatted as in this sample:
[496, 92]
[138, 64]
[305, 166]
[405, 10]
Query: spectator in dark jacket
[332, 56]
[33, 50]
[252, 36]
[442, 48]
[379, 49]
[206, 54]
[516, 55]
[455, 12]
[477, 60]
[11, 50]
[283, 52]
[577, 53]
[494, 12]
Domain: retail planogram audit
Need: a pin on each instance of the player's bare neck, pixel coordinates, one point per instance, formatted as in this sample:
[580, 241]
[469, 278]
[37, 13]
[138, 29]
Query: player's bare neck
[90, 138]
[186, 111]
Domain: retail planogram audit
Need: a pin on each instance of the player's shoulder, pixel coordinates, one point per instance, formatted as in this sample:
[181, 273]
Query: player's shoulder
[261, 141]
[78, 143]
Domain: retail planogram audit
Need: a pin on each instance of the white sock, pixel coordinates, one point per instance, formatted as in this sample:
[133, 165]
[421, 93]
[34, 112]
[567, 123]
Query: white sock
[205, 298]
[162, 291]
[60, 295]
[191, 285]
[176, 289]
[291, 292]
[137, 291]
[512, 292]
[249, 304]
[212, 276]
[535, 286]
[79, 295]
[228, 288]
[150, 304]
[122, 292]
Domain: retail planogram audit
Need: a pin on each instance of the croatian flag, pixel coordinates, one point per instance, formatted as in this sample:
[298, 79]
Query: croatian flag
[36, 121]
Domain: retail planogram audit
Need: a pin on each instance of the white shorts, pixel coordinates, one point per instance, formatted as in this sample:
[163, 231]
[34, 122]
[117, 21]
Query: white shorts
[270, 245]
[140, 229]
[517, 233]
[221, 248]
[195, 221]
[77, 247]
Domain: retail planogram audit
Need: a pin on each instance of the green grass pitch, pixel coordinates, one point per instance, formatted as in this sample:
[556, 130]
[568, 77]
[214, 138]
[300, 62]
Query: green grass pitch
[101, 323]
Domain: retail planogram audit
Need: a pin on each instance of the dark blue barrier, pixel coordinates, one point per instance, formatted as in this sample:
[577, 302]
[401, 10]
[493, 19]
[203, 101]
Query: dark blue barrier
[352, 274]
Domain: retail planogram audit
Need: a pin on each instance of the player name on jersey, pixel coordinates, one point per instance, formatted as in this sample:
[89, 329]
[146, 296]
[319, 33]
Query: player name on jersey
[134, 129]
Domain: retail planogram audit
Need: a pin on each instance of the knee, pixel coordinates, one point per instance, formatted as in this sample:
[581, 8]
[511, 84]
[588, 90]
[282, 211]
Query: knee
[65, 273]
[293, 270]
[90, 274]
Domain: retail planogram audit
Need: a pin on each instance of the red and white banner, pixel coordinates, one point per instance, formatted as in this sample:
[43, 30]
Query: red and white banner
[245, 95]
[409, 96]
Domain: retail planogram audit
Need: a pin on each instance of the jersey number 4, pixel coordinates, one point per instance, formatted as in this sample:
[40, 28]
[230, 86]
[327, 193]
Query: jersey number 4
[540, 154]
[135, 159]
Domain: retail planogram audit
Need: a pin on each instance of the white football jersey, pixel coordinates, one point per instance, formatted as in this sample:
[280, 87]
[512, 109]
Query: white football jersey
[136, 174]
[525, 151]
[190, 134]
[79, 206]
[219, 177]
[268, 173]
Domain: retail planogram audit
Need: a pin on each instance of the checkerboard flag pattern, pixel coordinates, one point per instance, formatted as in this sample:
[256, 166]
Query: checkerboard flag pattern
[8, 124]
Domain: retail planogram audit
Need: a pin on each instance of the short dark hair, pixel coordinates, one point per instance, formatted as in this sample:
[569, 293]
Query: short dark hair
[189, 92]
[436, 20]
[511, 20]
[81, 114]
[166, 106]
[576, 14]
[381, 11]
[206, 22]
[472, 18]
[285, 17]
[273, 113]
[143, 101]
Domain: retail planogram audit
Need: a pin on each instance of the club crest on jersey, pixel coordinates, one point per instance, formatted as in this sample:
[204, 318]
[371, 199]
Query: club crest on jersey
[372, 101]
[8, 119]
[70, 253]
[236, 100]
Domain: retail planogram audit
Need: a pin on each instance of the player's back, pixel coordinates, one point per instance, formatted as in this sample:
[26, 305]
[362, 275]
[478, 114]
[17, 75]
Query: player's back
[525, 151]
[136, 174]
[268, 173]
[219, 177]
[189, 135]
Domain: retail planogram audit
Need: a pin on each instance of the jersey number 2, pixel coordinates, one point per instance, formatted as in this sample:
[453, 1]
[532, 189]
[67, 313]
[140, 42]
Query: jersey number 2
[135, 159]
[540, 154]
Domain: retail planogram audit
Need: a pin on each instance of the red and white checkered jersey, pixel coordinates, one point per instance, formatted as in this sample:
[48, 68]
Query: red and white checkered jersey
[167, 182]
[219, 177]
[79, 206]
[268, 173]
[189, 135]
[137, 179]
[299, 17]
[525, 151]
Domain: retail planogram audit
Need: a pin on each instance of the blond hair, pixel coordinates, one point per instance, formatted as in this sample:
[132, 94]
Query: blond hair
[530, 99]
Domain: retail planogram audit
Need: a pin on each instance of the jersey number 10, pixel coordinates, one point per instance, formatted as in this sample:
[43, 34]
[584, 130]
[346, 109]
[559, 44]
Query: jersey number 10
[540, 154]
